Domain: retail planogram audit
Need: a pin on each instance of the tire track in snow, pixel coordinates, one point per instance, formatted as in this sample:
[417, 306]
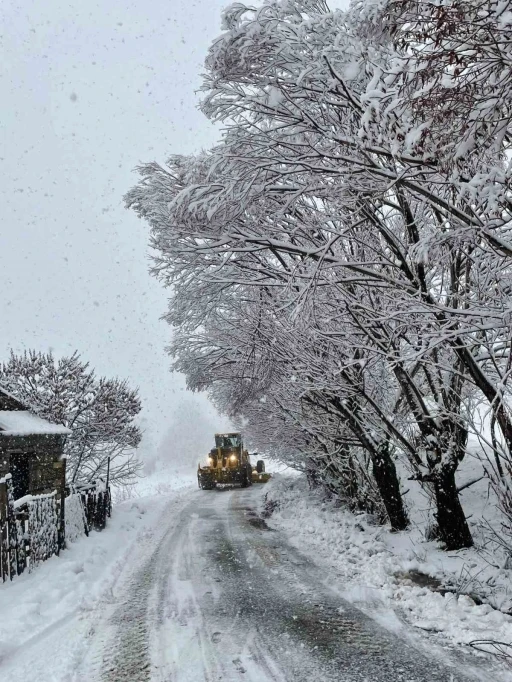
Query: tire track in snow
[191, 645]
[127, 653]
[120, 641]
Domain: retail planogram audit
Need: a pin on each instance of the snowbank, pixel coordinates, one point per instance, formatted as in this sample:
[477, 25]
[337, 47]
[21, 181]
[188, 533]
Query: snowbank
[74, 582]
[163, 481]
[380, 570]
[64, 589]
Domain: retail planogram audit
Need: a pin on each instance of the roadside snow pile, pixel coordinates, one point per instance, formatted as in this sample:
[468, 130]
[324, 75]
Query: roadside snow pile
[161, 481]
[427, 586]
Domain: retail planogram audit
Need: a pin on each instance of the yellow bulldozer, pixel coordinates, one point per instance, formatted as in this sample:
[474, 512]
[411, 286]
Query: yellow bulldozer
[229, 463]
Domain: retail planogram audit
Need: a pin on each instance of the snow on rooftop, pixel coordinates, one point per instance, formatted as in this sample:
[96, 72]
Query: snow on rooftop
[24, 423]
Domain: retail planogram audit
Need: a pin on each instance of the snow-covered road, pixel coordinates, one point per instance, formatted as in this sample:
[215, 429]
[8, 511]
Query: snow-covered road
[209, 593]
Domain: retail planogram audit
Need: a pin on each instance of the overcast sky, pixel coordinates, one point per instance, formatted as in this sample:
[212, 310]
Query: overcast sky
[88, 90]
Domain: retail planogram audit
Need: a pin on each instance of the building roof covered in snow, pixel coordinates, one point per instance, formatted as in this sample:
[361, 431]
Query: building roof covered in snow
[17, 419]
[24, 423]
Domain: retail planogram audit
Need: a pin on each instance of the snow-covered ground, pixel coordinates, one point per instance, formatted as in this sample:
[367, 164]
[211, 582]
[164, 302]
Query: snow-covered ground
[378, 570]
[58, 622]
[58, 602]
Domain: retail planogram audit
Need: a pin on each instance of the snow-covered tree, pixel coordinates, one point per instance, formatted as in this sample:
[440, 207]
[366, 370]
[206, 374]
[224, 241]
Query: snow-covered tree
[342, 233]
[99, 412]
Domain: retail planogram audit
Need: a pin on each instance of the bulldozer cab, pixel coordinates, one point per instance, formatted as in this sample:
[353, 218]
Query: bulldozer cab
[228, 450]
[228, 441]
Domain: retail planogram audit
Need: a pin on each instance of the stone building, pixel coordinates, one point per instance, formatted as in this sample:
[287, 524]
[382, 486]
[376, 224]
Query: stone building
[31, 449]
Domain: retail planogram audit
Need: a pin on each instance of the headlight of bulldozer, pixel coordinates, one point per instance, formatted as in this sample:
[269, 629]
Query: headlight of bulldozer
[210, 461]
[233, 458]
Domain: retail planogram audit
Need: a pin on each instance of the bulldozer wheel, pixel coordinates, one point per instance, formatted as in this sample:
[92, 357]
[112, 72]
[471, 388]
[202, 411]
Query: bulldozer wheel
[245, 479]
[260, 466]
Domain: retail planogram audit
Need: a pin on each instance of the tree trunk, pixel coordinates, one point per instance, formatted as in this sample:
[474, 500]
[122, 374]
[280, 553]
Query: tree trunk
[311, 473]
[384, 472]
[453, 527]
[344, 477]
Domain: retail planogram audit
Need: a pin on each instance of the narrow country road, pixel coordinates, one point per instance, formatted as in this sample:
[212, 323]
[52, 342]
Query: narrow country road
[219, 597]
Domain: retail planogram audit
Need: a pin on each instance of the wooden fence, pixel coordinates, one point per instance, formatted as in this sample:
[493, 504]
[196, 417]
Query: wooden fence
[32, 529]
[97, 504]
